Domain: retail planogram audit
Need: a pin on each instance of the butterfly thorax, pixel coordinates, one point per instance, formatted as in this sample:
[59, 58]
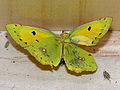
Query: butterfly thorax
[63, 38]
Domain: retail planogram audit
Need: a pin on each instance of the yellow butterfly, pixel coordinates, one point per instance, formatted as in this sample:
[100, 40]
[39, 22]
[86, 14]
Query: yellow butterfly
[48, 48]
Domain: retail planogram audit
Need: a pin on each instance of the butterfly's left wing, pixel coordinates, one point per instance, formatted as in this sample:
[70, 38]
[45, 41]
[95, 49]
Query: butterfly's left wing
[77, 59]
[90, 33]
[40, 43]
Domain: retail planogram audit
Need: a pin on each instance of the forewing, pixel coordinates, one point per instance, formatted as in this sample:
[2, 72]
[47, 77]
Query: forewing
[40, 43]
[90, 33]
[26, 35]
[47, 51]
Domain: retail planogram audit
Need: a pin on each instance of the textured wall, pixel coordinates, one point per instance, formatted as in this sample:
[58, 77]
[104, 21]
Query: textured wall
[58, 14]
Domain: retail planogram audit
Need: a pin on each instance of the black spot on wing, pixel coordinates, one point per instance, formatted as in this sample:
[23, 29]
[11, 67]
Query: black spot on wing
[89, 28]
[100, 33]
[33, 32]
[51, 61]
[92, 42]
[89, 55]
[37, 40]
[20, 39]
[70, 63]
[25, 42]
[95, 37]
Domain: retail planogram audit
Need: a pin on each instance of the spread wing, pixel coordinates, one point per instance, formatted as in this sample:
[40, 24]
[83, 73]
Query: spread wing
[40, 43]
[90, 33]
[77, 59]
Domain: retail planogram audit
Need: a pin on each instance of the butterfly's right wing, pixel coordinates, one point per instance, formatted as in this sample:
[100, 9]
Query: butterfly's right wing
[89, 34]
[77, 59]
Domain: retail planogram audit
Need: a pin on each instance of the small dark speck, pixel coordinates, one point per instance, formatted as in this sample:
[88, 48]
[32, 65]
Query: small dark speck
[89, 55]
[115, 81]
[51, 61]
[6, 44]
[13, 61]
[70, 64]
[37, 40]
[25, 42]
[14, 31]
[6, 36]
[89, 28]
[20, 39]
[92, 42]
[100, 33]
[33, 32]
[28, 75]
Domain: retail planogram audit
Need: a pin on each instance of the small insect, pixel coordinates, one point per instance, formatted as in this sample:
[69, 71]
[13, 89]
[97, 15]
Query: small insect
[106, 75]
[6, 44]
[13, 61]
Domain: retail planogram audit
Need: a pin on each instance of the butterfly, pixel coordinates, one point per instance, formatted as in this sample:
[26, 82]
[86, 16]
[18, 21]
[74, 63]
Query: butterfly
[48, 48]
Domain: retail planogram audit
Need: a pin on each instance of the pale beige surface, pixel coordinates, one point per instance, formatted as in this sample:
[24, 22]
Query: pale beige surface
[20, 71]
[58, 14]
